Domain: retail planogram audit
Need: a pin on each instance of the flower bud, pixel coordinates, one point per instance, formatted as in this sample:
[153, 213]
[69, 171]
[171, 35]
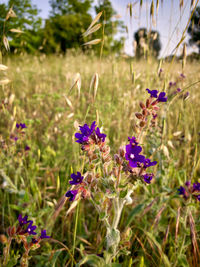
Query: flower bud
[138, 115]
[148, 103]
[142, 105]
[142, 123]
[145, 112]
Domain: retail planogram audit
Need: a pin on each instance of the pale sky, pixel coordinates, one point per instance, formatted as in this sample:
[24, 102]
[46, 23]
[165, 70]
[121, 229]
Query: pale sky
[171, 22]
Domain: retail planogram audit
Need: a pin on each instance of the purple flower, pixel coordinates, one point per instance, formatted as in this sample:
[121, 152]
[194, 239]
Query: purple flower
[148, 177]
[76, 179]
[86, 132]
[22, 221]
[30, 229]
[148, 163]
[100, 135]
[172, 84]
[178, 90]
[162, 97]
[153, 93]
[27, 148]
[198, 197]
[21, 125]
[182, 75]
[71, 194]
[132, 155]
[34, 241]
[181, 190]
[187, 183]
[44, 235]
[132, 140]
[196, 187]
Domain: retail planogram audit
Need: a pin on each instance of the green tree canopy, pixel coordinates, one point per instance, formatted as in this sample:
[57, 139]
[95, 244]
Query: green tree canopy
[26, 20]
[194, 29]
[147, 42]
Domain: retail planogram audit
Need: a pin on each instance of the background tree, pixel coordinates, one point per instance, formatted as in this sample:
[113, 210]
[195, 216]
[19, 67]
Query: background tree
[112, 26]
[68, 20]
[147, 42]
[194, 29]
[27, 20]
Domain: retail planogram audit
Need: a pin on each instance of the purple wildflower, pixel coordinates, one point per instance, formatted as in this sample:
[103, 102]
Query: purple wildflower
[181, 190]
[100, 135]
[27, 148]
[196, 187]
[172, 84]
[178, 90]
[162, 97]
[187, 183]
[34, 241]
[182, 75]
[22, 221]
[86, 132]
[132, 140]
[76, 178]
[21, 125]
[198, 197]
[43, 234]
[30, 229]
[148, 177]
[132, 155]
[148, 163]
[71, 194]
[153, 93]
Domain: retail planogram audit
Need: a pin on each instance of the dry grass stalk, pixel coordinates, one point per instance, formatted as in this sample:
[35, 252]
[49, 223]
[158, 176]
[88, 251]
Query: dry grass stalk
[158, 216]
[95, 20]
[93, 42]
[166, 235]
[194, 240]
[6, 43]
[147, 209]
[76, 81]
[94, 29]
[177, 223]
[3, 67]
[94, 84]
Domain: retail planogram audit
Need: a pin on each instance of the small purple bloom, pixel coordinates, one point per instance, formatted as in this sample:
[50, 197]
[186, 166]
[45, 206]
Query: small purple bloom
[148, 177]
[172, 84]
[27, 148]
[86, 132]
[17, 125]
[30, 229]
[187, 183]
[153, 93]
[100, 135]
[148, 163]
[71, 194]
[182, 75]
[34, 241]
[23, 125]
[162, 97]
[22, 221]
[132, 140]
[196, 187]
[132, 155]
[178, 90]
[76, 179]
[181, 190]
[198, 197]
[44, 235]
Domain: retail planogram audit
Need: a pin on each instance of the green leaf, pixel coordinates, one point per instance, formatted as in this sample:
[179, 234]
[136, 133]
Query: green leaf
[133, 213]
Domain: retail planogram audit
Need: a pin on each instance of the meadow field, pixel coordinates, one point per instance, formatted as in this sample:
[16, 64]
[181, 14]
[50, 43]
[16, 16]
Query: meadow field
[160, 227]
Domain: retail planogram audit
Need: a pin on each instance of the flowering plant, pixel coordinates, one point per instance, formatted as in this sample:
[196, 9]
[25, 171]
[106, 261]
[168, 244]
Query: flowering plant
[109, 182]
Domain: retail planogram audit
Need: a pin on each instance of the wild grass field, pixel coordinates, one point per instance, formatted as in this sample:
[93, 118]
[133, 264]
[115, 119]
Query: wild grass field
[160, 227]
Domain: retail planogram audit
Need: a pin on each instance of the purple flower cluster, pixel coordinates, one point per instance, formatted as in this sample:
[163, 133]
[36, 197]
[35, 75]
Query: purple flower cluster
[76, 180]
[89, 132]
[161, 97]
[30, 229]
[21, 125]
[190, 190]
[135, 160]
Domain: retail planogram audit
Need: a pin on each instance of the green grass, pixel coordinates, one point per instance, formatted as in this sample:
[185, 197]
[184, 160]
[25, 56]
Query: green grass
[34, 183]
